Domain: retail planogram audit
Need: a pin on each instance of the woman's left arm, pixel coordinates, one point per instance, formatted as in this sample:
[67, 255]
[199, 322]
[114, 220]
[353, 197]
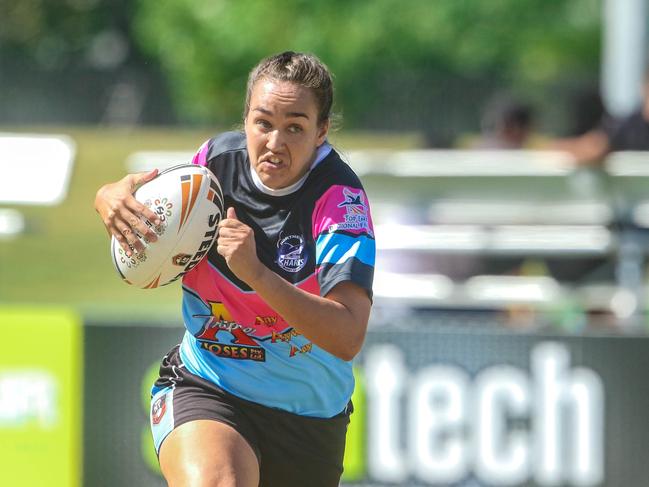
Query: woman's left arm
[336, 323]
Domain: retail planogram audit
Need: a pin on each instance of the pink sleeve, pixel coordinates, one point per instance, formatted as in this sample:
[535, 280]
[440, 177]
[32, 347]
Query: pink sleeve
[342, 208]
[200, 157]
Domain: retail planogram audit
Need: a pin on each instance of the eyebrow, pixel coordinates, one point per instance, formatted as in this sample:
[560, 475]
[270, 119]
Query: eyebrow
[288, 115]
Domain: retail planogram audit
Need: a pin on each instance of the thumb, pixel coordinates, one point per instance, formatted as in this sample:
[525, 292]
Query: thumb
[232, 214]
[147, 176]
[140, 178]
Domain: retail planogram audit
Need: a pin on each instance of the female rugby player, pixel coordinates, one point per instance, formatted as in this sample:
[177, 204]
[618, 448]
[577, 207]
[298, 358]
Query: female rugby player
[258, 392]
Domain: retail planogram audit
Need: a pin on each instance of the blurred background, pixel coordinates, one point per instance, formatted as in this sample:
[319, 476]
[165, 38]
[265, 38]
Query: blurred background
[502, 146]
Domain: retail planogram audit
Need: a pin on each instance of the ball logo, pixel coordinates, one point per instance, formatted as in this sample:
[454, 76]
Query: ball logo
[181, 259]
[291, 253]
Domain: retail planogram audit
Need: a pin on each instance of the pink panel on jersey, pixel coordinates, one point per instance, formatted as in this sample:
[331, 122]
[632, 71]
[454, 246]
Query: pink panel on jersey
[342, 208]
[244, 308]
[200, 157]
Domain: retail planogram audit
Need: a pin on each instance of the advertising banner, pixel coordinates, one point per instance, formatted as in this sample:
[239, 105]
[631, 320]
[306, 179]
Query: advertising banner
[40, 397]
[122, 364]
[488, 407]
[433, 406]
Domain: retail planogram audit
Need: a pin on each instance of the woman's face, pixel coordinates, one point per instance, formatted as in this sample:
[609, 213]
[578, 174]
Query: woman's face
[282, 131]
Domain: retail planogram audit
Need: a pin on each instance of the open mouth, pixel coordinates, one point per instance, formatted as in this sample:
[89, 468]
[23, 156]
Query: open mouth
[272, 161]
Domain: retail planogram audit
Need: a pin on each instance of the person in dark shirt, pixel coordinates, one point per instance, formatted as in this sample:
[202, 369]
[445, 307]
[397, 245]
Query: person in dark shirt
[506, 124]
[630, 133]
[258, 392]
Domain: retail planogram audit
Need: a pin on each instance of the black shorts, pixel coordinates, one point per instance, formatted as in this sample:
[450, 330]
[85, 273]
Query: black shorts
[292, 450]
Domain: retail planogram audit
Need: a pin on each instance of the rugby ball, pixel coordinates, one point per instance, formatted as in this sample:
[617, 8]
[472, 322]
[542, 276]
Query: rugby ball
[189, 201]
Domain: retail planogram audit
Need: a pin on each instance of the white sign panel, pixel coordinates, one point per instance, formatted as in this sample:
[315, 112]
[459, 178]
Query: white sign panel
[35, 169]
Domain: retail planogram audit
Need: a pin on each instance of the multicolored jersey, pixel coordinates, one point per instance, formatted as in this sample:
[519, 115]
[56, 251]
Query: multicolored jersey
[314, 234]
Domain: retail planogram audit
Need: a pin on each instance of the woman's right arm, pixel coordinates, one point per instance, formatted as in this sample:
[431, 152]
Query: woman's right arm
[123, 215]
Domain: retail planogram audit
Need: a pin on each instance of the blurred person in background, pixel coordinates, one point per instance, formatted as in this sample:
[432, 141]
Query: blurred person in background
[506, 124]
[587, 111]
[630, 133]
[277, 414]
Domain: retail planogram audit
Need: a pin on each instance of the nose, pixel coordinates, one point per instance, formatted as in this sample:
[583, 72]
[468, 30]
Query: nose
[274, 140]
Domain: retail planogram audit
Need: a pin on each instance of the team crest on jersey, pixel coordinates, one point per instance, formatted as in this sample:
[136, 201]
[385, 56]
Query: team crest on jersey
[291, 253]
[158, 409]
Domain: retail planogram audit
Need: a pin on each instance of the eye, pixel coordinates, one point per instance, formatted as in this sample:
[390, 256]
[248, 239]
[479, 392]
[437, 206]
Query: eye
[264, 124]
[295, 129]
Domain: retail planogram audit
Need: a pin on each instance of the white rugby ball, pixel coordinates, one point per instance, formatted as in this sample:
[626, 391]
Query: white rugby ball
[189, 202]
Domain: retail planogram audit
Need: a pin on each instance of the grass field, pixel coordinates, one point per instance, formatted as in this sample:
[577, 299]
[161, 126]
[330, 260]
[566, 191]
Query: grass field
[63, 257]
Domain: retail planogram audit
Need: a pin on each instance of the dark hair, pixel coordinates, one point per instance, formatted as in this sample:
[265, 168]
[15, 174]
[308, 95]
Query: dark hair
[302, 69]
[504, 111]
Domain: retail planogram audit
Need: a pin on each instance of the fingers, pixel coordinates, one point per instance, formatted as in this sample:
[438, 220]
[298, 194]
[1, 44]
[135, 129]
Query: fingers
[127, 219]
[228, 247]
[128, 229]
[235, 234]
[146, 212]
[231, 221]
[137, 224]
[138, 208]
[143, 177]
[136, 217]
[127, 239]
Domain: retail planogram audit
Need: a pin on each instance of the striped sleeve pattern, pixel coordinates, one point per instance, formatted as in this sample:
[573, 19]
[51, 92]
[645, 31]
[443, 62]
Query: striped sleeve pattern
[344, 238]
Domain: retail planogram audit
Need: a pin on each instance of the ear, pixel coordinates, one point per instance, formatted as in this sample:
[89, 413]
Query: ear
[323, 130]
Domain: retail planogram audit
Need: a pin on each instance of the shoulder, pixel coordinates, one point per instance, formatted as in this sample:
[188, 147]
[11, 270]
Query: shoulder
[226, 142]
[341, 202]
[223, 153]
[334, 171]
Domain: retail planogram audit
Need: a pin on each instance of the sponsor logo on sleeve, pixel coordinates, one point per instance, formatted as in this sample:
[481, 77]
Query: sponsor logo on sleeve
[355, 217]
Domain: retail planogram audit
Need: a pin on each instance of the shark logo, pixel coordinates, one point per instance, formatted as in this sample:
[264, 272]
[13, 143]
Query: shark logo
[354, 202]
[290, 253]
[356, 217]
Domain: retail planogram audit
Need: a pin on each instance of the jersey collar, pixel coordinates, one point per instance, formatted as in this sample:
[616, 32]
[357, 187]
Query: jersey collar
[322, 152]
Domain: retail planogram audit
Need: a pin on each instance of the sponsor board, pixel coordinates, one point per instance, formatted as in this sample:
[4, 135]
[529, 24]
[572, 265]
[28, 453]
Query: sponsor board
[431, 407]
[498, 409]
[40, 398]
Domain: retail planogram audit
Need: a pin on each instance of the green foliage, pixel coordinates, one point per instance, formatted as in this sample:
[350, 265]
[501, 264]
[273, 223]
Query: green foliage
[57, 34]
[207, 47]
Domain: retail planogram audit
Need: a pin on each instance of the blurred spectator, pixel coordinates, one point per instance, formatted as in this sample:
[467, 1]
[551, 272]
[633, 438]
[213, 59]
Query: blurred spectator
[587, 111]
[506, 124]
[630, 133]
